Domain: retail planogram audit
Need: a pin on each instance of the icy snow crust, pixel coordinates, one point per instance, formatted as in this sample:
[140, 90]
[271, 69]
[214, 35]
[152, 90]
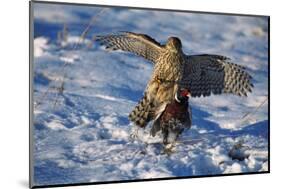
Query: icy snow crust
[85, 135]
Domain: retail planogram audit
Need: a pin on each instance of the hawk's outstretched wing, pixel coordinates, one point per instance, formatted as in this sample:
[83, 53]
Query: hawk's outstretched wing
[206, 74]
[139, 44]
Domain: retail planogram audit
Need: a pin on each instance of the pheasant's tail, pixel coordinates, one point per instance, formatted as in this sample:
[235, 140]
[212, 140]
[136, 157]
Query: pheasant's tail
[141, 114]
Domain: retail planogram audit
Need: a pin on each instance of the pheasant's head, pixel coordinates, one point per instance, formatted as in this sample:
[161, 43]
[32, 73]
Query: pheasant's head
[182, 95]
[174, 43]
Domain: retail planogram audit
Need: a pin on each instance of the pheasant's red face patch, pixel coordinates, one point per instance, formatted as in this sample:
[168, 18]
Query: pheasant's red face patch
[185, 92]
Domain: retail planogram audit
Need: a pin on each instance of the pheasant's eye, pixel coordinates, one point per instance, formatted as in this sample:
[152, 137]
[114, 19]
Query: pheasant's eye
[184, 92]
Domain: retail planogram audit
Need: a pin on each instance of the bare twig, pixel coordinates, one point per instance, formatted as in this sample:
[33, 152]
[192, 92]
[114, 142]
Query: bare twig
[256, 109]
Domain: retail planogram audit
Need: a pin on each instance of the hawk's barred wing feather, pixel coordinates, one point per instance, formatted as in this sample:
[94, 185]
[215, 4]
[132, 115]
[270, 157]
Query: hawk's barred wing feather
[207, 74]
[139, 44]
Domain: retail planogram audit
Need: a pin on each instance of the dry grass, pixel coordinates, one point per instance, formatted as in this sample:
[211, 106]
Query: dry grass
[59, 83]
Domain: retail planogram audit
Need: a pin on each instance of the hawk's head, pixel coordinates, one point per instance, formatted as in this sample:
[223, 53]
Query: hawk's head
[174, 43]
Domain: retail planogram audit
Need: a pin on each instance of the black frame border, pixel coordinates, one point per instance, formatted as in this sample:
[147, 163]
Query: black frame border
[31, 38]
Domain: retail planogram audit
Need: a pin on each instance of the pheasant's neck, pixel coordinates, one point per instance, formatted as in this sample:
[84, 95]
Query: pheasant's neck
[182, 103]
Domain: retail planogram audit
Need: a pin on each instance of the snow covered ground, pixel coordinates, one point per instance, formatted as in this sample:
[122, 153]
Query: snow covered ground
[83, 133]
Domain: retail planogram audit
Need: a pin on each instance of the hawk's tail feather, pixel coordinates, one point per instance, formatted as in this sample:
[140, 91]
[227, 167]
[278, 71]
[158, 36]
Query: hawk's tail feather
[141, 114]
